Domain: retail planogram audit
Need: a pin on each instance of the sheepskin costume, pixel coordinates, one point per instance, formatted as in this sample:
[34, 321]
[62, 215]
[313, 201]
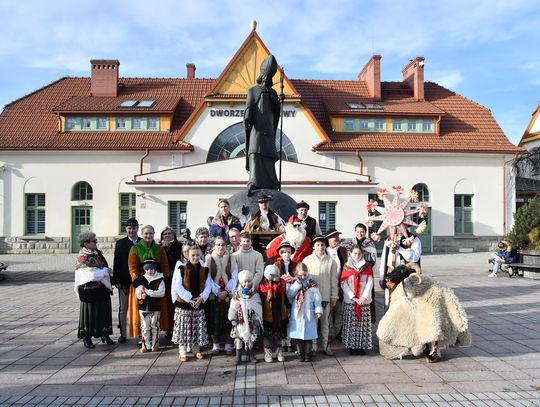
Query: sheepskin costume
[421, 312]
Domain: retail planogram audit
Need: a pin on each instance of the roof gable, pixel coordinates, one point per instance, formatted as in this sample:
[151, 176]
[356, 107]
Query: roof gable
[243, 70]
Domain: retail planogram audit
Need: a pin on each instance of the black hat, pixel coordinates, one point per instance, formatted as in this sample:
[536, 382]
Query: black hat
[150, 264]
[132, 222]
[285, 243]
[302, 204]
[318, 238]
[264, 198]
[331, 232]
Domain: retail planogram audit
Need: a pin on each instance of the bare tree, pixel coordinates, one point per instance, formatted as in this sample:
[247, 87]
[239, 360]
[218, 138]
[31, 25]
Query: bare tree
[528, 163]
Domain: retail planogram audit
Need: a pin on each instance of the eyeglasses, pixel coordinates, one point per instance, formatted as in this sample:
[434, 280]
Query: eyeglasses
[220, 244]
[92, 241]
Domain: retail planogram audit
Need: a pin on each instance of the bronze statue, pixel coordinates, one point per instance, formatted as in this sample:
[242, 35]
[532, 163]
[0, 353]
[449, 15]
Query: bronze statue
[261, 119]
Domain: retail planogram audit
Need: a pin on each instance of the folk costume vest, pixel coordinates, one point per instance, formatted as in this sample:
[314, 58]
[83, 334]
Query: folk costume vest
[193, 279]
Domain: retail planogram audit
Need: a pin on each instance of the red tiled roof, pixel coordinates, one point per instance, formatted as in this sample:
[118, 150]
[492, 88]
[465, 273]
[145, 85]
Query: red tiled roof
[314, 92]
[30, 123]
[339, 107]
[465, 127]
[104, 104]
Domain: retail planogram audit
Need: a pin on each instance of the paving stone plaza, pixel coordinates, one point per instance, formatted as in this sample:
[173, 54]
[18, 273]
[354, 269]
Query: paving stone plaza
[42, 363]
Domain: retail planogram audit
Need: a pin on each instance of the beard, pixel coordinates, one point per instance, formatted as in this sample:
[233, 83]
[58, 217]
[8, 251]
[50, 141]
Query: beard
[295, 236]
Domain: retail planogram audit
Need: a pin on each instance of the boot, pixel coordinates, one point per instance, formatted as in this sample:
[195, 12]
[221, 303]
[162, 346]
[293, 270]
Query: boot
[279, 354]
[108, 339]
[252, 357]
[268, 355]
[88, 343]
[307, 352]
[301, 350]
[238, 359]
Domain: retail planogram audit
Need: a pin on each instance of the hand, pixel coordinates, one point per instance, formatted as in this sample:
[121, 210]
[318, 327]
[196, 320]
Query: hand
[222, 295]
[360, 300]
[195, 302]
[287, 278]
[198, 302]
[234, 323]
[318, 315]
[333, 302]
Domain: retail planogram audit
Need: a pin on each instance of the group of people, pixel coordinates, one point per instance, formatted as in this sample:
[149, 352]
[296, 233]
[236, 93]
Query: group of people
[299, 293]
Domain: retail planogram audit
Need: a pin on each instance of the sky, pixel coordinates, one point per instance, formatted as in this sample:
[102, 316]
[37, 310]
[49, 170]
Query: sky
[485, 50]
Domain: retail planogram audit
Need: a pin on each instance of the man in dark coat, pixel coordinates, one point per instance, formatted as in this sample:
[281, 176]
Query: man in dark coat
[121, 278]
[261, 119]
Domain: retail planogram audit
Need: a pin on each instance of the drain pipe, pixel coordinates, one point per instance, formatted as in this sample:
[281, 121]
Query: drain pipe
[504, 191]
[142, 159]
[361, 162]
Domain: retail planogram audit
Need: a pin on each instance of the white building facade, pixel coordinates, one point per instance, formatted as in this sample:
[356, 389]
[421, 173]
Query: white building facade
[107, 148]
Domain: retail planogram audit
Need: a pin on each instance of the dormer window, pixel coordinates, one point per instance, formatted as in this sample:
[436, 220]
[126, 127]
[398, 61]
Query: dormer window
[103, 123]
[120, 123]
[86, 123]
[427, 125]
[411, 125]
[398, 125]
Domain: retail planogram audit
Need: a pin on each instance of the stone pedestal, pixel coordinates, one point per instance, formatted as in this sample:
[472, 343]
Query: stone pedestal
[243, 205]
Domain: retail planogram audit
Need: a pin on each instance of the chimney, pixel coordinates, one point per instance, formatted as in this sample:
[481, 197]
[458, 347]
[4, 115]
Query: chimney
[104, 80]
[190, 70]
[371, 74]
[413, 75]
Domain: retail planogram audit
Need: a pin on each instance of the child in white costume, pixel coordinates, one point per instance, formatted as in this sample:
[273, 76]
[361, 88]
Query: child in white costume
[245, 314]
[150, 291]
[306, 309]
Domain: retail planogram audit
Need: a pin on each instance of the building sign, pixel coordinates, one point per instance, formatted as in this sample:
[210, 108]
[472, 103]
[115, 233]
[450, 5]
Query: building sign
[240, 113]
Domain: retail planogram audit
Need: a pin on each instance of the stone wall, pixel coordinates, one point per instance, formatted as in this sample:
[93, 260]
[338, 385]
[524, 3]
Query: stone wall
[48, 245]
[51, 245]
[452, 244]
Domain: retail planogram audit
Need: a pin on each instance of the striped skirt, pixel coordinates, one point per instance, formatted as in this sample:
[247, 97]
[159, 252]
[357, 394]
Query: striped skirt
[356, 333]
[190, 327]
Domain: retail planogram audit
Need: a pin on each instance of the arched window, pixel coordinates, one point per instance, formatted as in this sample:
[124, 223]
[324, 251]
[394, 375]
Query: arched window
[82, 191]
[231, 143]
[422, 191]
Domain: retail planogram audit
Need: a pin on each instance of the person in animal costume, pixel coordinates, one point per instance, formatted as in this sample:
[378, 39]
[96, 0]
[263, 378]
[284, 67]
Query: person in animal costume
[423, 317]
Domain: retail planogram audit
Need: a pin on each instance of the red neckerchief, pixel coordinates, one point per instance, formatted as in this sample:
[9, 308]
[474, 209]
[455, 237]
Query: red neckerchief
[272, 290]
[349, 271]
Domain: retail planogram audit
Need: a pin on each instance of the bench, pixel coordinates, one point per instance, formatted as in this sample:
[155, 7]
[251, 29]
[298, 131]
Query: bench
[519, 268]
[3, 266]
[529, 266]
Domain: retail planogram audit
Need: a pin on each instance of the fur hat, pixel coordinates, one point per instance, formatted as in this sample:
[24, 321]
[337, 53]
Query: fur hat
[302, 204]
[245, 275]
[284, 244]
[271, 271]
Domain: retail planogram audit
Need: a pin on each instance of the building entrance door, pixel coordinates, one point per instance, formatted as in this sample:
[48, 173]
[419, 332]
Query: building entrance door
[81, 221]
[425, 237]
